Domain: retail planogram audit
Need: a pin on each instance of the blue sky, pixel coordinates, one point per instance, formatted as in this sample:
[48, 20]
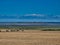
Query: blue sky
[29, 10]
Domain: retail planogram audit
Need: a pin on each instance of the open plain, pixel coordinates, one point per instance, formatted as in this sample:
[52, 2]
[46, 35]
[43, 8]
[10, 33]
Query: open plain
[30, 37]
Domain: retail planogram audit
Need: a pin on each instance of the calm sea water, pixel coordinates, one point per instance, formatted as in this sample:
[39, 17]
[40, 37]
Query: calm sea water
[31, 23]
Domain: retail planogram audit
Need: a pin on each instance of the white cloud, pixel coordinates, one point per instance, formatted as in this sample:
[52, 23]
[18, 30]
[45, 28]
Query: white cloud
[42, 15]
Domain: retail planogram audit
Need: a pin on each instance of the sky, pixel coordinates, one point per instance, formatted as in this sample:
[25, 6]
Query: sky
[29, 10]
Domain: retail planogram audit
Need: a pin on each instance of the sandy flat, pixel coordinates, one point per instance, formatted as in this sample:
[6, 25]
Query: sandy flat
[30, 37]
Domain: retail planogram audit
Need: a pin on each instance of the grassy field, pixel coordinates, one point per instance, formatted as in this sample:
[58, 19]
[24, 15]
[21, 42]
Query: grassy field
[49, 28]
[30, 37]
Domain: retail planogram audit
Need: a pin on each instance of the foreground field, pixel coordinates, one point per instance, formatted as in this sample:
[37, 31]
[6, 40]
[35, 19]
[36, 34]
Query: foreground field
[30, 37]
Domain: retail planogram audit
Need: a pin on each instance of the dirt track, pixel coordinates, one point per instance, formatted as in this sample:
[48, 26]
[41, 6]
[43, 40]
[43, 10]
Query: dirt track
[30, 38]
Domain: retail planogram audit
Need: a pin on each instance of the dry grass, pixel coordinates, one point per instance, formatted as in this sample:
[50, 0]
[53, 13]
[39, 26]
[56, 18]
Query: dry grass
[30, 38]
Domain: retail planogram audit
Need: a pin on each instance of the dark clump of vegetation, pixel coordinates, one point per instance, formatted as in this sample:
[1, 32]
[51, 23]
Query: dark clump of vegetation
[17, 30]
[0, 30]
[51, 30]
[7, 30]
[12, 30]
[58, 29]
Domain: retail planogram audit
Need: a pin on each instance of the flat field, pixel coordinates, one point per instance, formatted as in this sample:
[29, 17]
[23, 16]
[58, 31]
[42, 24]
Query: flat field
[30, 37]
